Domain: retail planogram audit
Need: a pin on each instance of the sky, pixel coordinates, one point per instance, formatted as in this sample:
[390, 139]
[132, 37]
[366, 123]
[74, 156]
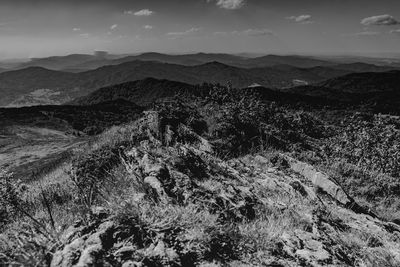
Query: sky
[38, 28]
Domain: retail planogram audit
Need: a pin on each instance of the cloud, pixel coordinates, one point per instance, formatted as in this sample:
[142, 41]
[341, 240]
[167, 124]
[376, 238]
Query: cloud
[113, 27]
[364, 33]
[249, 32]
[148, 27]
[254, 32]
[184, 33]
[367, 33]
[257, 32]
[303, 19]
[381, 20]
[229, 4]
[397, 31]
[140, 13]
[84, 35]
[76, 29]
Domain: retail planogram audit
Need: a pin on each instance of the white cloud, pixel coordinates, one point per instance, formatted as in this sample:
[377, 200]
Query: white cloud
[229, 4]
[257, 32]
[184, 33]
[148, 27]
[381, 20]
[84, 35]
[397, 31]
[113, 27]
[364, 33]
[303, 19]
[249, 32]
[76, 29]
[143, 12]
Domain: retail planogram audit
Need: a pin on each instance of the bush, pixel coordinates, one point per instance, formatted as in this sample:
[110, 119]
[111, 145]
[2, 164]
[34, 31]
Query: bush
[177, 112]
[373, 146]
[90, 171]
[11, 201]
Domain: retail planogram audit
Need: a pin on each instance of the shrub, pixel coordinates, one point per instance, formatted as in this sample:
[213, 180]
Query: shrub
[90, 170]
[11, 203]
[178, 111]
[373, 146]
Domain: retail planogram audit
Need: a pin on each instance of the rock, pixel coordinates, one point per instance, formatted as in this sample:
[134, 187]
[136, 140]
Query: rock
[161, 251]
[320, 180]
[154, 183]
[100, 212]
[89, 256]
[306, 246]
[151, 166]
[298, 186]
[312, 249]
[134, 153]
[86, 249]
[132, 264]
[69, 254]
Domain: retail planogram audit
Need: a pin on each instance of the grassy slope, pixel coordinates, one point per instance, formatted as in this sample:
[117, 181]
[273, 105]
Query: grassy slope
[175, 205]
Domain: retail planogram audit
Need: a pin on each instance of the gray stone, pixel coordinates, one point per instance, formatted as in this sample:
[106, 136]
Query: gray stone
[319, 180]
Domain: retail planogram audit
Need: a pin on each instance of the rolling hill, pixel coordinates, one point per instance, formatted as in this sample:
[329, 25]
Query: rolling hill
[15, 85]
[365, 82]
[202, 58]
[147, 91]
[379, 91]
[58, 62]
[356, 83]
[21, 86]
[142, 92]
[38, 86]
[85, 62]
[64, 62]
[295, 61]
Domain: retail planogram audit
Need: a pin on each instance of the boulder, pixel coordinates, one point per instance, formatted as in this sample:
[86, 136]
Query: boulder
[320, 180]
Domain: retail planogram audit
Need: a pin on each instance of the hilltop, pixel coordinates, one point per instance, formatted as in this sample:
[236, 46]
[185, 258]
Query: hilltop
[142, 92]
[162, 191]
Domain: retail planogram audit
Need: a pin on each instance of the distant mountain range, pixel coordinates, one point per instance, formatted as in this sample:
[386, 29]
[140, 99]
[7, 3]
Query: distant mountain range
[21, 87]
[64, 62]
[202, 58]
[42, 86]
[83, 62]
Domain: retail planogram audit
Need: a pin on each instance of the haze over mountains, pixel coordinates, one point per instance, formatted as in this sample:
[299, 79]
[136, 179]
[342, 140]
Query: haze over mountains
[57, 80]
[84, 62]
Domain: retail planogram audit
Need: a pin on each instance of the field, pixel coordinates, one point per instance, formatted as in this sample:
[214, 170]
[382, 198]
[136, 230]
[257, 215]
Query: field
[30, 151]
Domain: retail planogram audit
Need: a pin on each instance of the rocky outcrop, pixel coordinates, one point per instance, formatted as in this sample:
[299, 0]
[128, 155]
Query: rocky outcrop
[300, 226]
[323, 182]
[320, 180]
